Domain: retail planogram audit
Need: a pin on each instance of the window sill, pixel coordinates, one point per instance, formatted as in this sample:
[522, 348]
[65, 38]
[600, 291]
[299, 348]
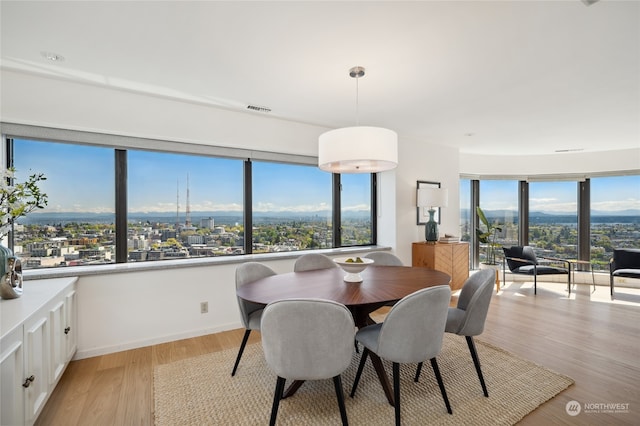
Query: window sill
[114, 268]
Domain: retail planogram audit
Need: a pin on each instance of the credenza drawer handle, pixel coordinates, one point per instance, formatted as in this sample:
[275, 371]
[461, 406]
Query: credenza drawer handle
[28, 381]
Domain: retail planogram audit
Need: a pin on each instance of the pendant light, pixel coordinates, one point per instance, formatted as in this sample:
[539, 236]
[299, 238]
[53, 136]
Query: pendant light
[358, 149]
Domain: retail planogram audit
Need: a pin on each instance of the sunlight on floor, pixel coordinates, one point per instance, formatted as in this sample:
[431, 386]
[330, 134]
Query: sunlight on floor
[623, 295]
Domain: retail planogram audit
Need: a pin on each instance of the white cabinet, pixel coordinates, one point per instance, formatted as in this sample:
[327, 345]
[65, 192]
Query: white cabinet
[38, 340]
[36, 365]
[11, 370]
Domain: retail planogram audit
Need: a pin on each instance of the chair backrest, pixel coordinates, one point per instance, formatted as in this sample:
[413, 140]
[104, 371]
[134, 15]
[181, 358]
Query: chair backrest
[521, 252]
[474, 300]
[626, 258]
[312, 261]
[307, 339]
[384, 258]
[414, 327]
[246, 273]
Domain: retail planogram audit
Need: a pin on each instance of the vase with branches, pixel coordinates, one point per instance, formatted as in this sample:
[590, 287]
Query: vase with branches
[488, 236]
[17, 199]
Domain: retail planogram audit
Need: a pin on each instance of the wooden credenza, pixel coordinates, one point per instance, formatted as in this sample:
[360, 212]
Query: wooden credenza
[450, 258]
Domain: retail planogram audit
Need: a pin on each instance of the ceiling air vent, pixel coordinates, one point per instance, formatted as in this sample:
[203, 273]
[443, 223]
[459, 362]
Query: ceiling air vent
[258, 108]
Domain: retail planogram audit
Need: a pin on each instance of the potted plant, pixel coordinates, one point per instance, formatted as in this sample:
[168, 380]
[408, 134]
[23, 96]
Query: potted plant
[488, 237]
[16, 200]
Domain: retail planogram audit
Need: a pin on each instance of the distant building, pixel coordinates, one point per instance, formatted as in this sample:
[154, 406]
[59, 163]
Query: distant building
[207, 223]
[165, 234]
[195, 239]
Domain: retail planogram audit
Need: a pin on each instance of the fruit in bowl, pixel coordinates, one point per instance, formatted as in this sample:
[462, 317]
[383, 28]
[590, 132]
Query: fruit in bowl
[353, 266]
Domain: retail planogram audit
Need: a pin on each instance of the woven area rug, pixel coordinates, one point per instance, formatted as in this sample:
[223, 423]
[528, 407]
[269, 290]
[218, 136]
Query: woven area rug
[201, 391]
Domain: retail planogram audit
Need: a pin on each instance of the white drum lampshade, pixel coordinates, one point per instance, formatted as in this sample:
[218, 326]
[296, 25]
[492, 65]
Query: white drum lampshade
[359, 149]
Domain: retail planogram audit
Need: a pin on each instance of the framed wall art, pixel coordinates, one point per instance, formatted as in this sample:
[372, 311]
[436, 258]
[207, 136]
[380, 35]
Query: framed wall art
[423, 212]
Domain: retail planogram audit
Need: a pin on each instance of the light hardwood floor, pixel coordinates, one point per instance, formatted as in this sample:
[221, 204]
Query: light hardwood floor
[587, 337]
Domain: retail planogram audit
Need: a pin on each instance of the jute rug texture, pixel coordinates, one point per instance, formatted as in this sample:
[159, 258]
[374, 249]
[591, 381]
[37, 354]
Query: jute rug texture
[201, 391]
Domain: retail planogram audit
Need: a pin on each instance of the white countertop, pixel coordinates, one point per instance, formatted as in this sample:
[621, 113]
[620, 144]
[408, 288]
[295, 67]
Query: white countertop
[36, 294]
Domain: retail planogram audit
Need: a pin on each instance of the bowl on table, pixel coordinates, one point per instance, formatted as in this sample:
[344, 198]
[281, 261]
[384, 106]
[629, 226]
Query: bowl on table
[353, 266]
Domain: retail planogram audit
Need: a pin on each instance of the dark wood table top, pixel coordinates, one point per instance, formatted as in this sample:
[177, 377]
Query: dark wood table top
[380, 284]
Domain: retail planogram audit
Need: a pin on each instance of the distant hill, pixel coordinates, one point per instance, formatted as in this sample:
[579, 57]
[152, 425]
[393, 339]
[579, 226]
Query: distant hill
[510, 213]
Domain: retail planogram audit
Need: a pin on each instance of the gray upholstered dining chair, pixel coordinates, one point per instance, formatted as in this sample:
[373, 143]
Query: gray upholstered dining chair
[250, 313]
[412, 332]
[384, 258]
[312, 261]
[307, 339]
[468, 317]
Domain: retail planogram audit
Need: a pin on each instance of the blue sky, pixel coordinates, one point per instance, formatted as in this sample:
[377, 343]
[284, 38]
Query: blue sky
[86, 182]
[607, 194]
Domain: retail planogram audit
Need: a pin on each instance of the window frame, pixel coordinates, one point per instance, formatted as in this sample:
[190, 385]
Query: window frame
[122, 144]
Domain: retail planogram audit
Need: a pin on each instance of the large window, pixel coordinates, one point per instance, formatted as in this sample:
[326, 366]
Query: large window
[355, 207]
[183, 206]
[77, 226]
[291, 207]
[120, 204]
[499, 202]
[615, 217]
[554, 219]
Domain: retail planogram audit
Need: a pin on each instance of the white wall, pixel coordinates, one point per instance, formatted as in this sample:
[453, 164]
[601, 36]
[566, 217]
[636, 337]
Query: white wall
[126, 310]
[565, 163]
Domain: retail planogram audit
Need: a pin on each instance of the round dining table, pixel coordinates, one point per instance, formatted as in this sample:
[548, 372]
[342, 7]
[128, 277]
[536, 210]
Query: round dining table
[380, 286]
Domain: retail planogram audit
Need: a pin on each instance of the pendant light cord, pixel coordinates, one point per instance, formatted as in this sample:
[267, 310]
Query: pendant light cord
[357, 102]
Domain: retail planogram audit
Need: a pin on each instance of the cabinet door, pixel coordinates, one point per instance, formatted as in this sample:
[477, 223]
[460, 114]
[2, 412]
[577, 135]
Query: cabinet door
[37, 346]
[71, 327]
[58, 358]
[11, 379]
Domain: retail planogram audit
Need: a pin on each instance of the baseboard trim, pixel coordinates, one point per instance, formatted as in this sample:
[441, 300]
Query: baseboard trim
[105, 350]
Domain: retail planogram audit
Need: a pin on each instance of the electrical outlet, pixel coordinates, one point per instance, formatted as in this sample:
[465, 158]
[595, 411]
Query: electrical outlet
[204, 307]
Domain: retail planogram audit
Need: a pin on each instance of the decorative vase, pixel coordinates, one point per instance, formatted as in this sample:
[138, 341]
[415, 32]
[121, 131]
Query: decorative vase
[431, 228]
[10, 274]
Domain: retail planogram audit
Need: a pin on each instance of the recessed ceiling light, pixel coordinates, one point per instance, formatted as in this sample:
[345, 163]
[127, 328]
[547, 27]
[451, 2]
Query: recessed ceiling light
[50, 56]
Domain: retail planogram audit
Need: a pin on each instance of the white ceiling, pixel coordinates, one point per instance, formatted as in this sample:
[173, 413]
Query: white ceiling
[494, 77]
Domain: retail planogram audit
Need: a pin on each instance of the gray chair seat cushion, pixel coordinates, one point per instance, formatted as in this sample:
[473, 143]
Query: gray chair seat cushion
[368, 336]
[629, 273]
[541, 270]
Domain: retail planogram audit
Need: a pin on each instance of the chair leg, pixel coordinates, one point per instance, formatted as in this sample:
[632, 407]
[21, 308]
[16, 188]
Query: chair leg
[365, 353]
[535, 283]
[611, 285]
[241, 350]
[355, 343]
[337, 383]
[436, 371]
[476, 362]
[276, 400]
[396, 391]
[418, 370]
